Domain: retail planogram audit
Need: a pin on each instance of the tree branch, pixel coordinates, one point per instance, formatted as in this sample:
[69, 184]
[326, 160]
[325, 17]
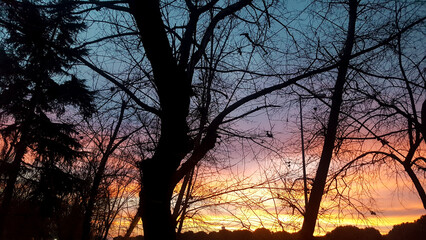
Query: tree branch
[121, 86]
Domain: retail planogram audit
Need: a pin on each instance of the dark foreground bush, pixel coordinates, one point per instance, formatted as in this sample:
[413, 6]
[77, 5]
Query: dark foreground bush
[409, 231]
[353, 233]
[406, 231]
[139, 237]
[258, 234]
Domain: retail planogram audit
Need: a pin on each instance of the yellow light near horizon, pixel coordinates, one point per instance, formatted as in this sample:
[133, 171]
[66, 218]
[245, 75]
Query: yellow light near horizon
[215, 222]
[391, 210]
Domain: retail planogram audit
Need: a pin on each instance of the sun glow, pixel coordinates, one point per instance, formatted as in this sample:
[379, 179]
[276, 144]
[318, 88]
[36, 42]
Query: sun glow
[226, 202]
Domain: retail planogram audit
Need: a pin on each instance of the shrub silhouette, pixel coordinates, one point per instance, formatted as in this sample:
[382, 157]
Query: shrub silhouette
[262, 234]
[409, 231]
[284, 236]
[139, 237]
[406, 231]
[221, 235]
[242, 235]
[201, 236]
[353, 233]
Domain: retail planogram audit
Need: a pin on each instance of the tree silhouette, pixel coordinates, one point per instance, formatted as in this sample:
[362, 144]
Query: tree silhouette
[329, 142]
[34, 88]
[423, 117]
[412, 231]
[107, 146]
[383, 113]
[262, 234]
[172, 54]
[187, 67]
[353, 233]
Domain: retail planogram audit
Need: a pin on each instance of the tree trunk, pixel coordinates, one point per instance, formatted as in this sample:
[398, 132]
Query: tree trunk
[417, 184]
[135, 219]
[424, 120]
[174, 92]
[312, 209]
[87, 221]
[20, 150]
[173, 86]
[185, 204]
[407, 164]
[133, 224]
[156, 197]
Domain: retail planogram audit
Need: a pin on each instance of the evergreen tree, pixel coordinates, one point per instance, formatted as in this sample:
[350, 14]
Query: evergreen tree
[35, 87]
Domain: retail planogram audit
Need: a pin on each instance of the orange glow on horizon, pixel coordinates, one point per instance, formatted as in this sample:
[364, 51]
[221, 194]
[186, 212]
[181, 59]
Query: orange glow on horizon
[392, 209]
[247, 197]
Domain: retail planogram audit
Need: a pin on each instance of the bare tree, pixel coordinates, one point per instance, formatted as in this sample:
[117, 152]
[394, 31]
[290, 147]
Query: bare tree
[330, 136]
[390, 116]
[192, 69]
[174, 48]
[106, 145]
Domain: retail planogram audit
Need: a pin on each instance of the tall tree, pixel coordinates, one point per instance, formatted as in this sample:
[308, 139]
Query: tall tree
[327, 152]
[389, 108]
[164, 45]
[172, 77]
[35, 54]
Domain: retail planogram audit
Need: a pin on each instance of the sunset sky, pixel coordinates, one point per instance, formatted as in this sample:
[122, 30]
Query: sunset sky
[393, 210]
[228, 113]
[382, 195]
[392, 202]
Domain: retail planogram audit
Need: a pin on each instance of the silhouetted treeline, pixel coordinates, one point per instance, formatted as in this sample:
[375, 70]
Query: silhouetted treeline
[353, 233]
[405, 231]
[259, 234]
[408, 231]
